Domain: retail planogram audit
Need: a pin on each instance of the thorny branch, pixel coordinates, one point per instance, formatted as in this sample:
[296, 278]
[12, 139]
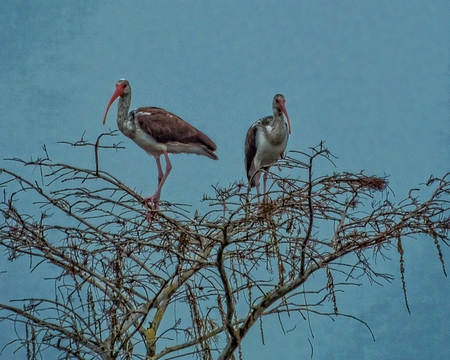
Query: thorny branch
[220, 272]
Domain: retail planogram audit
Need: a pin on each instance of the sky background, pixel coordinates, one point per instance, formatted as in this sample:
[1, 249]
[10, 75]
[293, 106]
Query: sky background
[371, 79]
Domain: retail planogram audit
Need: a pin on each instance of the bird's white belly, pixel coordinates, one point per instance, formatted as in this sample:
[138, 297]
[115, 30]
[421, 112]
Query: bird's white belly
[267, 153]
[152, 147]
[148, 143]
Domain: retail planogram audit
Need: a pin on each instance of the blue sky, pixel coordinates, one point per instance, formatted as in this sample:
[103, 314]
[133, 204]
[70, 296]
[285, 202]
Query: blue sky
[371, 79]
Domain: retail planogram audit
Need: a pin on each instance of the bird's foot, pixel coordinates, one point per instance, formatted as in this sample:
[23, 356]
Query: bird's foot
[264, 208]
[259, 211]
[151, 204]
[258, 208]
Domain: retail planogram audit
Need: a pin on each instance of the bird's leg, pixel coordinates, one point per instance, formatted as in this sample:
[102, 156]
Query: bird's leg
[160, 172]
[154, 200]
[261, 205]
[168, 169]
[257, 185]
[266, 175]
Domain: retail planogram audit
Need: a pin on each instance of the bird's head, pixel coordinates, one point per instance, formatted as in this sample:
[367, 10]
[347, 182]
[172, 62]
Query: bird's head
[279, 104]
[122, 89]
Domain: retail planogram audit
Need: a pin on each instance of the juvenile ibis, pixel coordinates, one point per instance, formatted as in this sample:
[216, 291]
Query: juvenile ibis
[158, 132]
[265, 142]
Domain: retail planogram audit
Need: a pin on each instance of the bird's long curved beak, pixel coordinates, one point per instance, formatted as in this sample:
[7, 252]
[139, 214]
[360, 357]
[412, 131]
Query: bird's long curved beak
[117, 93]
[283, 109]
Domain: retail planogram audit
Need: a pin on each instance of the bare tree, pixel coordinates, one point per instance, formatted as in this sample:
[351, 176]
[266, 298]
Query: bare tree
[118, 278]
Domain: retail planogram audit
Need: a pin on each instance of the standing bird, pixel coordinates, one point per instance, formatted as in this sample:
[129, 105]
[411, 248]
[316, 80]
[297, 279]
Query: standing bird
[265, 142]
[158, 132]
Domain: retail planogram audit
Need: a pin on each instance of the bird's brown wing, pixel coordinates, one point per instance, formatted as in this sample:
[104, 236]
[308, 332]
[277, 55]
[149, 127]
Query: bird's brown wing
[250, 149]
[166, 127]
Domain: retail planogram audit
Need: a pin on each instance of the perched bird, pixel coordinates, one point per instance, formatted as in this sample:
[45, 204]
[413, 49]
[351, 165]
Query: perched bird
[158, 132]
[265, 142]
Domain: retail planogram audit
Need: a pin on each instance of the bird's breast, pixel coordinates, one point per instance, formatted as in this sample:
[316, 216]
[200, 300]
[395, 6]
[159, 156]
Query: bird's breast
[127, 125]
[275, 135]
[268, 148]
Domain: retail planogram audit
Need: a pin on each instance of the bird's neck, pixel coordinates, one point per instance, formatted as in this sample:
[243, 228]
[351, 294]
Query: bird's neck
[123, 107]
[278, 118]
[123, 122]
